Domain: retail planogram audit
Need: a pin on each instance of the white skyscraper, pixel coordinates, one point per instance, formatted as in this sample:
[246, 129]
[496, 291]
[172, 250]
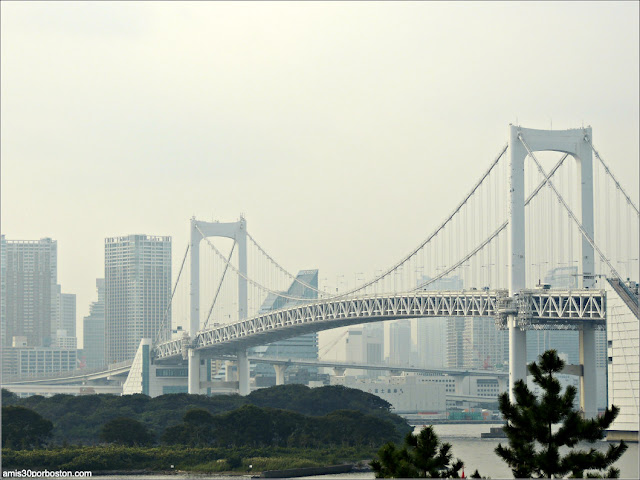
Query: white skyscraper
[137, 292]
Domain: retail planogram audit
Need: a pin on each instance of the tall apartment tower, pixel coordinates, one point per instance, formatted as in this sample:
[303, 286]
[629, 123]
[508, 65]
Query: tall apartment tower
[137, 292]
[93, 330]
[29, 276]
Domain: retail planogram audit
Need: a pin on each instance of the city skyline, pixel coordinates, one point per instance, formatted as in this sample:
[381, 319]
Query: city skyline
[369, 110]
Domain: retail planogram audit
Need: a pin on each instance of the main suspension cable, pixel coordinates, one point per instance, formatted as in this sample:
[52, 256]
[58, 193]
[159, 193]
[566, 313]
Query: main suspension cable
[251, 281]
[464, 259]
[610, 173]
[444, 224]
[282, 269]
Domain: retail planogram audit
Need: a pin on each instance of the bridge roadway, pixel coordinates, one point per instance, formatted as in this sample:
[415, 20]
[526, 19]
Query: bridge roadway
[122, 369]
[370, 366]
[535, 309]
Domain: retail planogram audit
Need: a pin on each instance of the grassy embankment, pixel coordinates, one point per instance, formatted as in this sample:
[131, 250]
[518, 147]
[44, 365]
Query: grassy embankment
[190, 459]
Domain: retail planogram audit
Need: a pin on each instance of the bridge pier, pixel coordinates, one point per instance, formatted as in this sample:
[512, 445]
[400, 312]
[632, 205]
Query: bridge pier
[339, 371]
[243, 373]
[517, 355]
[280, 368]
[194, 372]
[588, 386]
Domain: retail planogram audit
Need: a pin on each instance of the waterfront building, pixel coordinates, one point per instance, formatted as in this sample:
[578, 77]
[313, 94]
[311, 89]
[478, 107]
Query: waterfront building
[302, 347]
[137, 292]
[93, 330]
[29, 276]
[406, 393]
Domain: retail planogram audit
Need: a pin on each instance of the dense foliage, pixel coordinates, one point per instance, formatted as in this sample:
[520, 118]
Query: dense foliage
[79, 419]
[423, 456]
[24, 428]
[255, 426]
[126, 431]
[534, 450]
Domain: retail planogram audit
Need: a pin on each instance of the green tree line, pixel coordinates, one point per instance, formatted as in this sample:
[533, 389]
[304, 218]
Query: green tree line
[285, 414]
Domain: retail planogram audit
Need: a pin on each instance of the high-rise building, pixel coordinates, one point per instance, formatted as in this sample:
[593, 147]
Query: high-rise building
[63, 316]
[93, 330]
[457, 342]
[137, 292]
[29, 275]
[400, 342]
[365, 344]
[432, 342]
[304, 346]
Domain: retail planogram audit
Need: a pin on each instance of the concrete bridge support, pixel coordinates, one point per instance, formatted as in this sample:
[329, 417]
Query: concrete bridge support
[588, 381]
[243, 373]
[194, 372]
[280, 369]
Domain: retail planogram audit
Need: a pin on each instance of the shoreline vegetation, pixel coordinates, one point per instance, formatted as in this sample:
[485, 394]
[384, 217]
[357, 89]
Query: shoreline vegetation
[277, 428]
[120, 459]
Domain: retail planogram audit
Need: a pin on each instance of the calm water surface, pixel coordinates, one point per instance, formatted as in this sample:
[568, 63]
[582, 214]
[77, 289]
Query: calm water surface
[475, 452]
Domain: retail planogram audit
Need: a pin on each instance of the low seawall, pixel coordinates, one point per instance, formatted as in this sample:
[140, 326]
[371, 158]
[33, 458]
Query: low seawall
[306, 472]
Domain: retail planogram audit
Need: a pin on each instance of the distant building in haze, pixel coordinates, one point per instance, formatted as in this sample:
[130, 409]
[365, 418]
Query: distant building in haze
[93, 330]
[302, 347]
[365, 344]
[29, 276]
[400, 342]
[137, 292]
[63, 317]
[20, 361]
[468, 342]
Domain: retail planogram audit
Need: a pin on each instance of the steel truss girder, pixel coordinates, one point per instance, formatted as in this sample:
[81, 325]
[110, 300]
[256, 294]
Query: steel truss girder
[535, 310]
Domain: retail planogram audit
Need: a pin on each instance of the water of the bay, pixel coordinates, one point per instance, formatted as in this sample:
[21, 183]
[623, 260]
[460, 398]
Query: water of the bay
[475, 452]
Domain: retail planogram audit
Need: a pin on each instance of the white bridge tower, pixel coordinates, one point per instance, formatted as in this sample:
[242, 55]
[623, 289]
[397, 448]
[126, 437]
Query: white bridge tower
[577, 143]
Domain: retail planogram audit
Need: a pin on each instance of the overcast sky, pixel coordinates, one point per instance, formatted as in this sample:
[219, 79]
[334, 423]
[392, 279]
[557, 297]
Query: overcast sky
[344, 132]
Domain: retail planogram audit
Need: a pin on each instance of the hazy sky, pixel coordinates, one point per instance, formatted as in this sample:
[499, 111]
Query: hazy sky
[344, 132]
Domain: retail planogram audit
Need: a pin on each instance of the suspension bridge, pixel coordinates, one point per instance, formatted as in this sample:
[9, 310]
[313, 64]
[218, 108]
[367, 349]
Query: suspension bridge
[499, 247]
[518, 222]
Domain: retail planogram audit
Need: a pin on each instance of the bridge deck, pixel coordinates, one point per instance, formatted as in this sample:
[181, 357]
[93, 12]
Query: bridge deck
[535, 309]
